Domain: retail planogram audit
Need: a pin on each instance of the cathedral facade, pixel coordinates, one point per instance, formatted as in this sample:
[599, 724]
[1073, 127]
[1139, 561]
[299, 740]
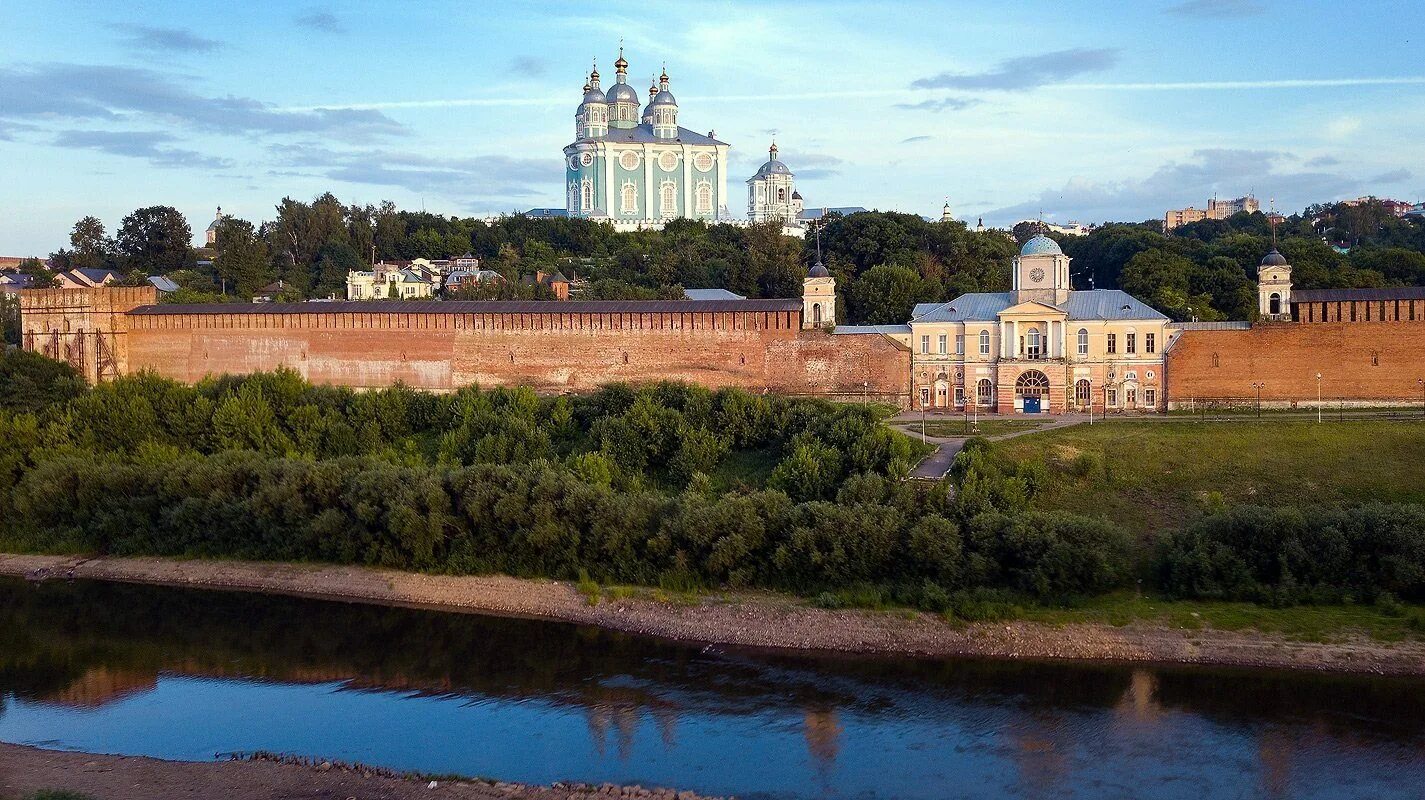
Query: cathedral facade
[633, 165]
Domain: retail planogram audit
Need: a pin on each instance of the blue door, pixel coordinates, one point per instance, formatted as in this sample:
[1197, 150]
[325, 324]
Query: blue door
[1031, 404]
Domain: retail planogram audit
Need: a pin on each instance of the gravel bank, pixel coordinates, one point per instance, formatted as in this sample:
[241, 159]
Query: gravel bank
[748, 619]
[26, 769]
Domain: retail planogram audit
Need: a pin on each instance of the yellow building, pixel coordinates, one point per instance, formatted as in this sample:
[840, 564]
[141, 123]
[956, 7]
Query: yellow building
[388, 281]
[1042, 347]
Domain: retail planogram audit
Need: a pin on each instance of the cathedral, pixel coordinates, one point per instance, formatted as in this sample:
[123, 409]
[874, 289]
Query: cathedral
[640, 168]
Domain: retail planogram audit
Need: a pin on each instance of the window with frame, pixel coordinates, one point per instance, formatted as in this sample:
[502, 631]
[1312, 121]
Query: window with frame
[628, 198]
[1113, 397]
[983, 391]
[1112, 343]
[704, 198]
[959, 395]
[1083, 341]
[1150, 343]
[587, 194]
[925, 344]
[668, 199]
[1131, 343]
[1150, 397]
[959, 344]
[1033, 351]
[941, 345]
[984, 343]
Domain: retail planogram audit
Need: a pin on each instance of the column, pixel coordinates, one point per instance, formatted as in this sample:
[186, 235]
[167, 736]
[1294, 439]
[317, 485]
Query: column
[609, 207]
[650, 209]
[688, 210]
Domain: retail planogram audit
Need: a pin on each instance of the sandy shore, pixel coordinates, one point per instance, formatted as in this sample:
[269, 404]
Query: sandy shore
[754, 620]
[26, 769]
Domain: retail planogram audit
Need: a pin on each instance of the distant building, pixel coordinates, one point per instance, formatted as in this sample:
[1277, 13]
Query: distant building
[211, 235]
[1070, 228]
[1397, 207]
[1216, 209]
[13, 282]
[87, 278]
[271, 292]
[556, 282]
[711, 294]
[1417, 210]
[390, 281]
[11, 263]
[815, 214]
[463, 279]
[772, 192]
[163, 284]
[945, 215]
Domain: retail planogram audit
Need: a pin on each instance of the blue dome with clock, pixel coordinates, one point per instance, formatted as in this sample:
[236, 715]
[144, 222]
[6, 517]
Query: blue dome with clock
[1041, 245]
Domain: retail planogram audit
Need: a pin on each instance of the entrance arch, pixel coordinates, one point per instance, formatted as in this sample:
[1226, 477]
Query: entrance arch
[1274, 304]
[1031, 389]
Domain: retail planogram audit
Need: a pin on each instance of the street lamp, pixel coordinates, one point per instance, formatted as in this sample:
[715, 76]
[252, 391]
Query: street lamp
[1259, 387]
[1318, 398]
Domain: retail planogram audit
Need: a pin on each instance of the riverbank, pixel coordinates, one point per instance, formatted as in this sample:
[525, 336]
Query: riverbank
[758, 620]
[24, 770]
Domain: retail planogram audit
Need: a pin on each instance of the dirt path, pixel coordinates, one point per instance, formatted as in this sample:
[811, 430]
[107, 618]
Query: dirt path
[749, 619]
[26, 769]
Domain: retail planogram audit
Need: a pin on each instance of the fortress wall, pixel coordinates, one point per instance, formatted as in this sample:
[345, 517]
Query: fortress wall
[85, 327]
[553, 352]
[1359, 362]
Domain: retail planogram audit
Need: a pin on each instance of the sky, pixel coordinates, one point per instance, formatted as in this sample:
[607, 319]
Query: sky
[1082, 111]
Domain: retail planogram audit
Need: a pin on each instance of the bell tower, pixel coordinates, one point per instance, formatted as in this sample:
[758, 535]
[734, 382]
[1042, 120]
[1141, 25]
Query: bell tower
[818, 294]
[1274, 284]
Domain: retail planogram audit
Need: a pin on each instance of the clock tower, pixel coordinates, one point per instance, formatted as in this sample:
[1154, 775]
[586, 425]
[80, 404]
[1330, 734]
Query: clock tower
[1041, 272]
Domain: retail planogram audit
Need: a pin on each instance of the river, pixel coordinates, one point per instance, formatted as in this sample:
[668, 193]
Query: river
[190, 675]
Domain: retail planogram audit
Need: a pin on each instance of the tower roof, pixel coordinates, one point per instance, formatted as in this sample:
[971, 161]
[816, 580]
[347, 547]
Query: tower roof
[1274, 259]
[1041, 245]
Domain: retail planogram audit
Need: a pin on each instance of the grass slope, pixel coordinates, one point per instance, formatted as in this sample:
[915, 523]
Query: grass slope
[1152, 476]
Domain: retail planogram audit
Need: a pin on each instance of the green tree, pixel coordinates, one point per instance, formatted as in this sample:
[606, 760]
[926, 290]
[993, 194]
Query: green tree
[91, 245]
[885, 295]
[156, 240]
[242, 260]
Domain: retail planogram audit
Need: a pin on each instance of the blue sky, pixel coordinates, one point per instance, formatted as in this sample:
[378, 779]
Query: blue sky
[1090, 111]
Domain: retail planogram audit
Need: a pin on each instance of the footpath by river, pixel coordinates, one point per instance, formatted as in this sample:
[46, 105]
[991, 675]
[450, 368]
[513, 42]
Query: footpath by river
[749, 619]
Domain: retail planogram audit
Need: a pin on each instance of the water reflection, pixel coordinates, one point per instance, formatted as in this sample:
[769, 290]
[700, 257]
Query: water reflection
[185, 674]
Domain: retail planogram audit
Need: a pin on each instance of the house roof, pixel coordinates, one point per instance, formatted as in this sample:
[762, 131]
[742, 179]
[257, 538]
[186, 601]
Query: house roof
[1381, 293]
[483, 307]
[1101, 304]
[889, 330]
[163, 283]
[96, 275]
[818, 213]
[711, 294]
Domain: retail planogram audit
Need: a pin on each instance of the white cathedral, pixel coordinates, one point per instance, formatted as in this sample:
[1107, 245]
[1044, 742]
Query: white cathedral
[638, 168]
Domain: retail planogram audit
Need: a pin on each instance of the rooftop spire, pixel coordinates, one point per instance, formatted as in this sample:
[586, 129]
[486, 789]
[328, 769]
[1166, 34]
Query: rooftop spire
[772, 151]
[621, 66]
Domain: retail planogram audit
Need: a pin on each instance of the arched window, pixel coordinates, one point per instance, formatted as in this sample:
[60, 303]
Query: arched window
[984, 343]
[704, 198]
[816, 315]
[1216, 362]
[587, 190]
[1083, 341]
[1081, 392]
[1274, 304]
[1033, 349]
[628, 198]
[1031, 384]
[668, 199]
[983, 391]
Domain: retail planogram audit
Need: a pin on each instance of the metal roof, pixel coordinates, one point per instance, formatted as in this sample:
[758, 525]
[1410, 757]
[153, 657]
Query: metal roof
[889, 330]
[1381, 293]
[643, 134]
[1214, 325]
[703, 295]
[479, 307]
[818, 213]
[986, 307]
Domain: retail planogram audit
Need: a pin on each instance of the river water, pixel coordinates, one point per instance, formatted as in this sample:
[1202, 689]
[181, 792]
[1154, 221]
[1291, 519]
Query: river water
[187, 674]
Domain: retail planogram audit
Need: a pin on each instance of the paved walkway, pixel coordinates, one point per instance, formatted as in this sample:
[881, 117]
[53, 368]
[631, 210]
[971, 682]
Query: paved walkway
[934, 466]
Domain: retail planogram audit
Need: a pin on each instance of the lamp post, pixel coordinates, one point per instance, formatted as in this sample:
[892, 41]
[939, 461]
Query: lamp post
[1318, 398]
[1089, 393]
[922, 423]
[1258, 387]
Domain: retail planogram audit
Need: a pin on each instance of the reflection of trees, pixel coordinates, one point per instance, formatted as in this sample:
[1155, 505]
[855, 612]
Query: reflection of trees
[84, 642]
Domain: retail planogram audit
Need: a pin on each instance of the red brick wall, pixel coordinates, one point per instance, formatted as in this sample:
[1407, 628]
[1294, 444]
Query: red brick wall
[551, 352]
[85, 327]
[1375, 361]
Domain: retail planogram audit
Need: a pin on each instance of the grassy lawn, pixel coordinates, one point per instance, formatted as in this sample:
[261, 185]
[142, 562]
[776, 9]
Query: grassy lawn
[985, 427]
[1304, 623]
[1149, 476]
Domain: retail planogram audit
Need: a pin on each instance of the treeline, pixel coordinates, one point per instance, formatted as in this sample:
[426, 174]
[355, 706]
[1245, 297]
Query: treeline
[615, 485]
[1285, 556]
